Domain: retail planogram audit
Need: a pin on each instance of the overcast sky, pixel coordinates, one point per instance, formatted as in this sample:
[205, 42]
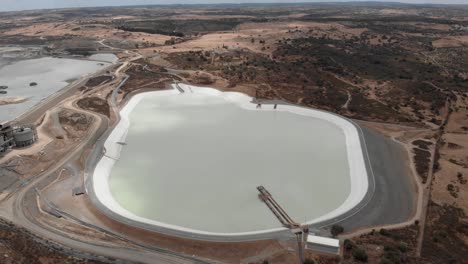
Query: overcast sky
[11, 5]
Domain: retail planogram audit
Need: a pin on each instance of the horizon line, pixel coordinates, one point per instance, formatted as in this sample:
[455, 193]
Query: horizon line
[373, 2]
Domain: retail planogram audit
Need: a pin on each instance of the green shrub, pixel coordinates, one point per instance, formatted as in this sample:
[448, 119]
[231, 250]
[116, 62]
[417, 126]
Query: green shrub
[360, 254]
[389, 248]
[403, 247]
[348, 244]
[450, 187]
[309, 261]
[384, 232]
[336, 230]
[394, 256]
[386, 261]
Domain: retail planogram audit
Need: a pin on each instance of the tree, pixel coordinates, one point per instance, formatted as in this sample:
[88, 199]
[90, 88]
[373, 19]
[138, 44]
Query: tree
[336, 230]
[348, 244]
[384, 232]
[360, 254]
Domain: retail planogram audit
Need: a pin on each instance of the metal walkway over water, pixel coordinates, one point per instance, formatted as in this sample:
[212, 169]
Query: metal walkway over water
[282, 216]
[285, 219]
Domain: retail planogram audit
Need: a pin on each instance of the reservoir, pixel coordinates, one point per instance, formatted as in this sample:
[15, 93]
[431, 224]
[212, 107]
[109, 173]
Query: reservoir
[192, 161]
[49, 75]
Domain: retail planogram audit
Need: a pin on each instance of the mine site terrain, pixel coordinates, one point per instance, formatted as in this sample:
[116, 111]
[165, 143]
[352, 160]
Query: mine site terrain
[398, 75]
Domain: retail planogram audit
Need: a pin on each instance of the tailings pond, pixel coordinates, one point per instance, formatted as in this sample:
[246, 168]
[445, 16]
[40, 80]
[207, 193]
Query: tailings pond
[31, 81]
[192, 162]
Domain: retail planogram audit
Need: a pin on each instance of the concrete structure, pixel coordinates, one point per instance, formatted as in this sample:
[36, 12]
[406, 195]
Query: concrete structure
[6, 137]
[6, 129]
[24, 137]
[16, 136]
[323, 244]
[2, 142]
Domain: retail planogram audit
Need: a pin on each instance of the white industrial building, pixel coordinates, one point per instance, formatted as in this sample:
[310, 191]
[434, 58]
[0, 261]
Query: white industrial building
[323, 244]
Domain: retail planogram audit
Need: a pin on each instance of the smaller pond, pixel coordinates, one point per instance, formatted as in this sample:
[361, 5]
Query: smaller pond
[49, 74]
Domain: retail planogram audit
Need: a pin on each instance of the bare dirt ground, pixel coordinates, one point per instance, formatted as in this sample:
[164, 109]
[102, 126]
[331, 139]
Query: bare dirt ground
[458, 41]
[450, 180]
[382, 246]
[446, 235]
[19, 247]
[268, 33]
[77, 30]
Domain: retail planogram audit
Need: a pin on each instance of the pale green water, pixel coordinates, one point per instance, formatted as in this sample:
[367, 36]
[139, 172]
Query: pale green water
[195, 161]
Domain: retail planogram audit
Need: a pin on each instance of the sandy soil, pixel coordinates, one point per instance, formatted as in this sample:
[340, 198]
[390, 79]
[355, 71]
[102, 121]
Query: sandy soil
[43, 131]
[391, 11]
[448, 175]
[452, 163]
[454, 160]
[305, 26]
[98, 30]
[203, 17]
[442, 27]
[270, 32]
[332, 30]
[214, 41]
[452, 41]
[12, 100]
[459, 119]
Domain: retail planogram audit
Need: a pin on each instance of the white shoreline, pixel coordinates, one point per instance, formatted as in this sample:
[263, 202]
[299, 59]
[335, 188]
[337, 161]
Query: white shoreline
[357, 166]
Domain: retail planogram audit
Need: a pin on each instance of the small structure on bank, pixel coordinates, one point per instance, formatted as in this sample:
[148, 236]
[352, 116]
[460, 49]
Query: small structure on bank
[323, 244]
[16, 136]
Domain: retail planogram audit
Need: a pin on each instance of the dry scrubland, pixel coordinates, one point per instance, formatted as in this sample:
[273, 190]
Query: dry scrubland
[406, 66]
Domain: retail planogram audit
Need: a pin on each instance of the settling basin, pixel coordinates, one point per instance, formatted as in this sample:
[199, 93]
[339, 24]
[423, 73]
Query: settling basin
[191, 162]
[49, 75]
